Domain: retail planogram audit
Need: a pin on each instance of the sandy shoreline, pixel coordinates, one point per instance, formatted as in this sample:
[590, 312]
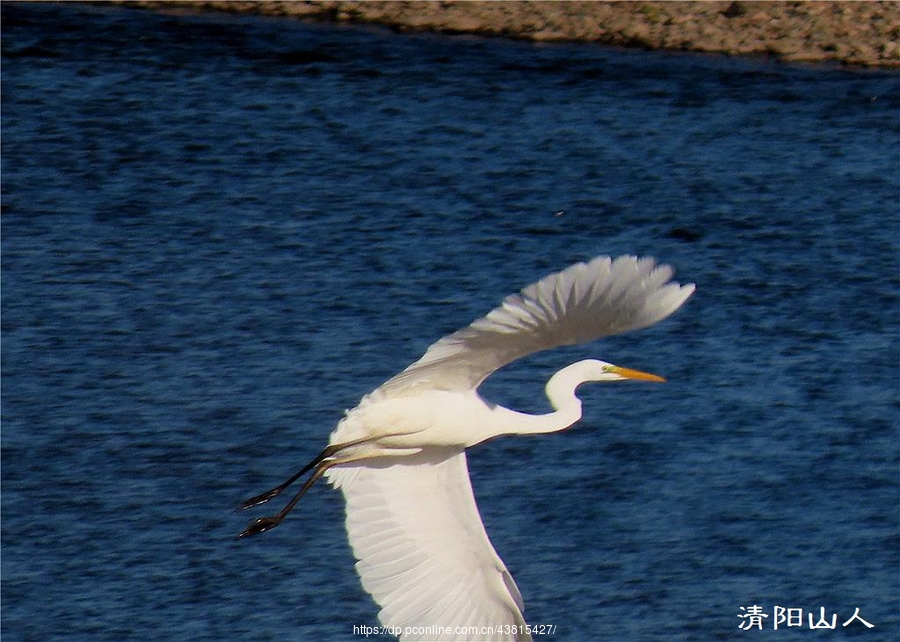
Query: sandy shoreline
[864, 33]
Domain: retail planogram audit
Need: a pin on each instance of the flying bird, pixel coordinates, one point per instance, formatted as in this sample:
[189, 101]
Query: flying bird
[399, 457]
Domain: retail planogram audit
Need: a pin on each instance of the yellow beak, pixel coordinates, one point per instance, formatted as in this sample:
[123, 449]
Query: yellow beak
[628, 373]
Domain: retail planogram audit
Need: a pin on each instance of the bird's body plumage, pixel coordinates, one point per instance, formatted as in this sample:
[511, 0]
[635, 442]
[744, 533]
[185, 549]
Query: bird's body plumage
[399, 456]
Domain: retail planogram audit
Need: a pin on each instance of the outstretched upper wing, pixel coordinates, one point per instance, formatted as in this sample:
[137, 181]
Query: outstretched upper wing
[584, 302]
[423, 552]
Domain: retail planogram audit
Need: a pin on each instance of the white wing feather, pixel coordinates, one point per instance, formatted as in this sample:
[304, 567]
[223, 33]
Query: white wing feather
[423, 553]
[584, 302]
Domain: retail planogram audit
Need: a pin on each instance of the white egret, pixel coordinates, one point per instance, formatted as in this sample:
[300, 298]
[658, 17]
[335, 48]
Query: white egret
[399, 456]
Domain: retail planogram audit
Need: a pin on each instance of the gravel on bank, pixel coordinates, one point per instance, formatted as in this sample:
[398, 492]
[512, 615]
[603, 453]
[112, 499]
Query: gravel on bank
[864, 33]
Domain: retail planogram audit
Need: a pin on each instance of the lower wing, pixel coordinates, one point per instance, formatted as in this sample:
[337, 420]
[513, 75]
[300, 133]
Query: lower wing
[423, 553]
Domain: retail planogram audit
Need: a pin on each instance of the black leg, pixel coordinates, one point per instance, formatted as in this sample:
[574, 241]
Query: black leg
[263, 524]
[269, 494]
[322, 456]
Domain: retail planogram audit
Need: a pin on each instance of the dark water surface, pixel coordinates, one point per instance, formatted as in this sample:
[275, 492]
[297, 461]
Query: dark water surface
[218, 232]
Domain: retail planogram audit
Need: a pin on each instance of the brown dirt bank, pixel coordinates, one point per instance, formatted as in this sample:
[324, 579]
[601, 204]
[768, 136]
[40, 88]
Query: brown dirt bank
[865, 33]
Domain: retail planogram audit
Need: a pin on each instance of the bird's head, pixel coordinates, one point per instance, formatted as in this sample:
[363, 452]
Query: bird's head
[596, 370]
[561, 387]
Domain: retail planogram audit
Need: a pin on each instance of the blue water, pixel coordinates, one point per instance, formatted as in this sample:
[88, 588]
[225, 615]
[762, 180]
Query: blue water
[218, 232]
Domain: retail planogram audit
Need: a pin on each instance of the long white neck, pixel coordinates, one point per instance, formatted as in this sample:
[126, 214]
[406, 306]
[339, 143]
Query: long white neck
[560, 391]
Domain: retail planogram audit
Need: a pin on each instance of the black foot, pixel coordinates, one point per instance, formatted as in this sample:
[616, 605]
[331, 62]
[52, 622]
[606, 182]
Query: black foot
[260, 525]
[259, 499]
